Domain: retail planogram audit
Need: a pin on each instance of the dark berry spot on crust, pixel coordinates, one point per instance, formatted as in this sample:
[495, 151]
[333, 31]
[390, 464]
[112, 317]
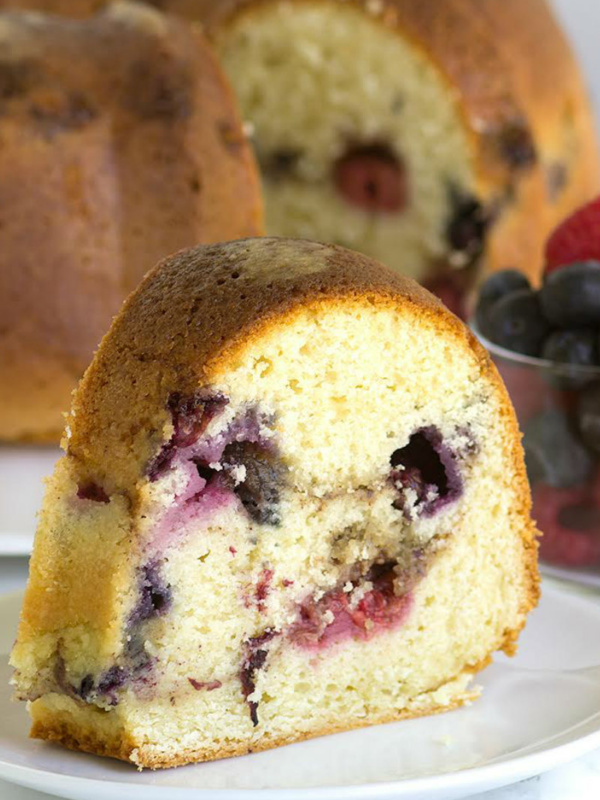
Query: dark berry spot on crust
[557, 176]
[516, 146]
[91, 491]
[15, 78]
[264, 474]
[58, 113]
[159, 90]
[467, 228]
[427, 467]
[373, 178]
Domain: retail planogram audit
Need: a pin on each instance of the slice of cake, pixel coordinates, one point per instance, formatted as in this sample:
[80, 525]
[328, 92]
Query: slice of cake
[438, 136]
[293, 502]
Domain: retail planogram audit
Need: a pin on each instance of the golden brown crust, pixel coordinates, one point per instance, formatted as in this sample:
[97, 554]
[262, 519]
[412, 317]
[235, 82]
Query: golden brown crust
[529, 532]
[141, 152]
[186, 320]
[64, 730]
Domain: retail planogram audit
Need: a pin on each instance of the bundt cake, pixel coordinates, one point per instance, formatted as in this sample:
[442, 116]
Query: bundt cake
[120, 144]
[293, 501]
[424, 133]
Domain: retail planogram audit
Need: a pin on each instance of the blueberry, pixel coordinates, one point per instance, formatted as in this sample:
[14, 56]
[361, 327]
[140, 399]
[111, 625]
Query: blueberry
[281, 163]
[572, 347]
[110, 683]
[427, 466]
[496, 287]
[467, 228]
[553, 454]
[517, 323]
[588, 416]
[154, 595]
[570, 296]
[190, 415]
[577, 348]
[259, 491]
[516, 145]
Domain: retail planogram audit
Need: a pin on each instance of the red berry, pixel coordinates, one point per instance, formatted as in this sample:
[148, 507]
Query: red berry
[576, 239]
[562, 543]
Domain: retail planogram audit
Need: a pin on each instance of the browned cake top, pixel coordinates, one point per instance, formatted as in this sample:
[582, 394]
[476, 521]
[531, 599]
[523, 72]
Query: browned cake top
[188, 318]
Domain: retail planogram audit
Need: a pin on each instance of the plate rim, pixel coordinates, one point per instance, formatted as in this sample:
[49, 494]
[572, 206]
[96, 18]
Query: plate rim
[504, 772]
[19, 545]
[487, 776]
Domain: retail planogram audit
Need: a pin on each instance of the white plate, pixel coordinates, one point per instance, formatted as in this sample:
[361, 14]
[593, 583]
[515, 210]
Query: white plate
[22, 472]
[538, 711]
[586, 576]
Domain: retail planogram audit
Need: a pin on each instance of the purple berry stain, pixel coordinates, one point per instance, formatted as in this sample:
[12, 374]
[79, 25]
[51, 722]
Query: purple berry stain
[341, 614]
[190, 416]
[427, 466]
[209, 686]
[154, 595]
[92, 491]
[253, 659]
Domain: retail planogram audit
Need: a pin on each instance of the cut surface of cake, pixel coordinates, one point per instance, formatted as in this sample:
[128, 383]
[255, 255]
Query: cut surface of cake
[434, 136]
[293, 502]
[105, 167]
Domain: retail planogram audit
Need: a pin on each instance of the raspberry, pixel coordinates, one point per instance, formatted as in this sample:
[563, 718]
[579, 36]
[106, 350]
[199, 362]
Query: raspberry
[576, 239]
[556, 512]
[372, 178]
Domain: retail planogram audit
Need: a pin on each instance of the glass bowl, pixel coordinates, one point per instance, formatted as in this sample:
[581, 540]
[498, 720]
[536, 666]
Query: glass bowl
[558, 408]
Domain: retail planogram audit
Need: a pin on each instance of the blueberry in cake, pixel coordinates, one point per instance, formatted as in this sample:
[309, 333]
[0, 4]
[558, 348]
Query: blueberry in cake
[434, 136]
[293, 502]
[104, 169]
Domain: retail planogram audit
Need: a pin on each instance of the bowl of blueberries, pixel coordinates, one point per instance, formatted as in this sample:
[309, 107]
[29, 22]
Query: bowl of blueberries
[545, 342]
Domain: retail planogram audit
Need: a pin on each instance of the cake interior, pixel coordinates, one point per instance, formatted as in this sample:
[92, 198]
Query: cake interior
[359, 138]
[329, 536]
